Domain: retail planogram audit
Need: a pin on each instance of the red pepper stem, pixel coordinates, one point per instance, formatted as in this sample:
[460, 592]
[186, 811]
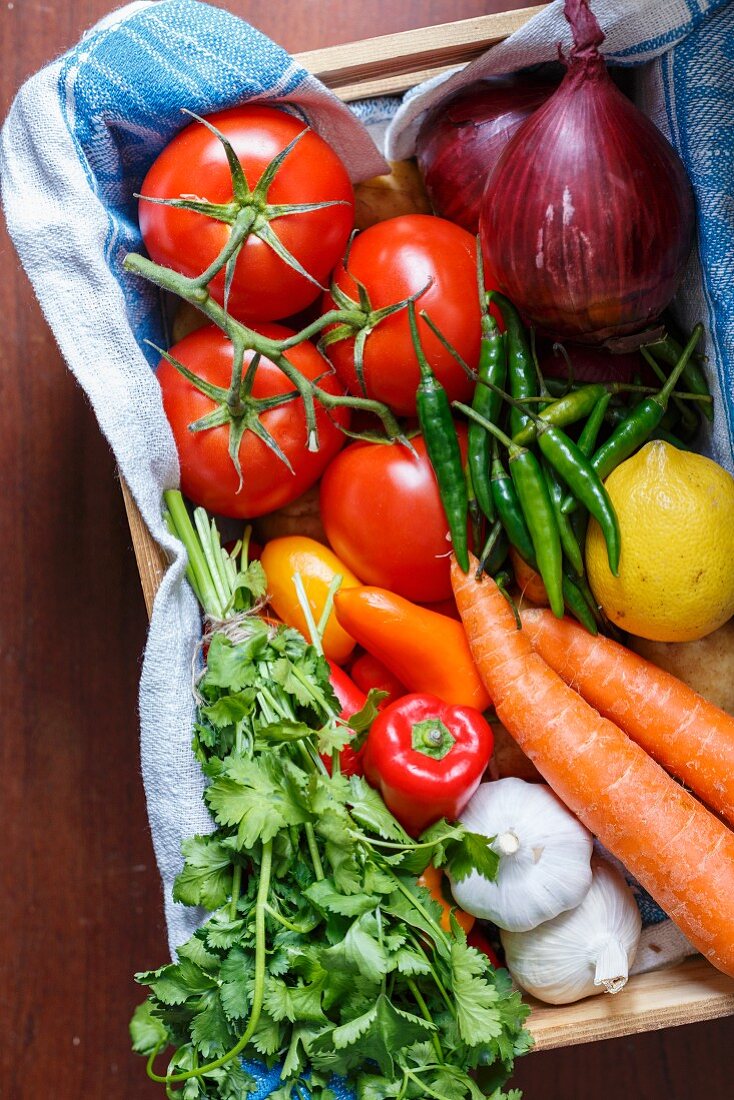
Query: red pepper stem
[433, 738]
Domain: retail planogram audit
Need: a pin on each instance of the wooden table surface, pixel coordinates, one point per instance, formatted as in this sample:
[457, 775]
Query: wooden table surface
[80, 901]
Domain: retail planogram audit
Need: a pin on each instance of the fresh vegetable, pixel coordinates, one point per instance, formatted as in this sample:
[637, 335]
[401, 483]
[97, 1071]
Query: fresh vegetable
[462, 138]
[678, 850]
[676, 577]
[442, 444]
[320, 572]
[487, 401]
[531, 493]
[435, 883]
[320, 949]
[300, 517]
[579, 256]
[352, 700]
[428, 652]
[706, 665]
[480, 942]
[266, 432]
[368, 672]
[544, 855]
[687, 735]
[383, 197]
[417, 256]
[638, 426]
[581, 952]
[522, 375]
[426, 758]
[277, 215]
[383, 516]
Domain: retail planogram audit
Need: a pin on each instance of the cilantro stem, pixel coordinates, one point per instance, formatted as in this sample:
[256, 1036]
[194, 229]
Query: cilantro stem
[184, 530]
[314, 851]
[420, 1001]
[302, 930]
[426, 1088]
[313, 630]
[434, 974]
[417, 904]
[236, 887]
[258, 994]
[328, 607]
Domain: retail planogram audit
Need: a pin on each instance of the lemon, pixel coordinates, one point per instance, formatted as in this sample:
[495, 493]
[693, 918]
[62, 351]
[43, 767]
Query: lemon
[676, 569]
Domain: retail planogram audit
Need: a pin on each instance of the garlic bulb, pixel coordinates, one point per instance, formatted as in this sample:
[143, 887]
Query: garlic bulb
[545, 855]
[585, 951]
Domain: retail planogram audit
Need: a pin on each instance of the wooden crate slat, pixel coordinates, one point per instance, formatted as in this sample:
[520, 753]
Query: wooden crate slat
[408, 52]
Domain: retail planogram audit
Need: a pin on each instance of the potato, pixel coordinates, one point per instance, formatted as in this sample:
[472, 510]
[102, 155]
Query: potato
[384, 197]
[706, 665]
[508, 758]
[300, 517]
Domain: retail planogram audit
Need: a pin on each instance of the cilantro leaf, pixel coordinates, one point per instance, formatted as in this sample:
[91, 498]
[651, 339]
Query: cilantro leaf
[147, 1032]
[179, 981]
[369, 810]
[473, 852]
[256, 797]
[362, 719]
[210, 1030]
[381, 1032]
[358, 953]
[326, 898]
[475, 998]
[229, 665]
[206, 878]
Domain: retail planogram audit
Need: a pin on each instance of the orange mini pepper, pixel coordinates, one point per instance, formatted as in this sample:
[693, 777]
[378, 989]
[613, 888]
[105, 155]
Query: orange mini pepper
[435, 883]
[427, 652]
[317, 565]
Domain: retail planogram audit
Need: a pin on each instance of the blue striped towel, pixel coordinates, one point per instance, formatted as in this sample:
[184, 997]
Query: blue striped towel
[75, 147]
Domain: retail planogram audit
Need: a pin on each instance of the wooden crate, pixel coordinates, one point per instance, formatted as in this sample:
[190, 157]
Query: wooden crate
[682, 994]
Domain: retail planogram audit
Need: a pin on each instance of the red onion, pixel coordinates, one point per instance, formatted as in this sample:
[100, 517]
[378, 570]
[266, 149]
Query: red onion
[461, 140]
[588, 218]
[591, 364]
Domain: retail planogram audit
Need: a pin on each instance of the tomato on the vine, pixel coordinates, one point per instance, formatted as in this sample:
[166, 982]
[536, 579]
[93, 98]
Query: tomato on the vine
[194, 168]
[208, 474]
[394, 260]
[383, 517]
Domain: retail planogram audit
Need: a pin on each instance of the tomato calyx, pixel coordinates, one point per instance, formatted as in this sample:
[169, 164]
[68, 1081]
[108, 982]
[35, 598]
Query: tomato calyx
[249, 213]
[362, 319]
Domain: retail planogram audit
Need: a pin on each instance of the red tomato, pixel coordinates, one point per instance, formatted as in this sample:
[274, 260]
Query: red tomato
[208, 476]
[394, 259]
[194, 163]
[383, 517]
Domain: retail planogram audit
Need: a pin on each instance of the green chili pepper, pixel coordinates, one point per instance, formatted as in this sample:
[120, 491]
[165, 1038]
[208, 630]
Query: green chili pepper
[569, 542]
[592, 427]
[508, 509]
[584, 482]
[442, 445]
[518, 534]
[669, 351]
[492, 368]
[522, 374]
[537, 510]
[688, 416]
[564, 410]
[644, 418]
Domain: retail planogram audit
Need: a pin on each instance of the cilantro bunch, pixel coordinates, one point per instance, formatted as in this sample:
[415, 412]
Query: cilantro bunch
[320, 951]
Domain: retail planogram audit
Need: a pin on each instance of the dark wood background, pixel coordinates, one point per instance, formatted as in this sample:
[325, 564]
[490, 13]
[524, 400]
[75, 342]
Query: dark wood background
[80, 901]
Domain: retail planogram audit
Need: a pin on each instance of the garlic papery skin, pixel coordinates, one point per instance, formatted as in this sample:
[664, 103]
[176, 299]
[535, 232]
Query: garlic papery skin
[585, 951]
[545, 855]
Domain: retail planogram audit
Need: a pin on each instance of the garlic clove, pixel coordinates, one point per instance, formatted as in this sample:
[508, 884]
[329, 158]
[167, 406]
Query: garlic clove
[584, 951]
[545, 855]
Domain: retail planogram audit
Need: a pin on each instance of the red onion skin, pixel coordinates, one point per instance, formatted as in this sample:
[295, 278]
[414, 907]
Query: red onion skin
[593, 364]
[462, 139]
[588, 218]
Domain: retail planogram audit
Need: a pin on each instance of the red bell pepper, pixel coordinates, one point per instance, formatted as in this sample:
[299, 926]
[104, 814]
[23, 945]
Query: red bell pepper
[368, 672]
[351, 699]
[426, 758]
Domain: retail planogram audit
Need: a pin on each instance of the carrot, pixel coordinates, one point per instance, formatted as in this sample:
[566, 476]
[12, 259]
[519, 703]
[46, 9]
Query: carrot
[680, 852]
[690, 737]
